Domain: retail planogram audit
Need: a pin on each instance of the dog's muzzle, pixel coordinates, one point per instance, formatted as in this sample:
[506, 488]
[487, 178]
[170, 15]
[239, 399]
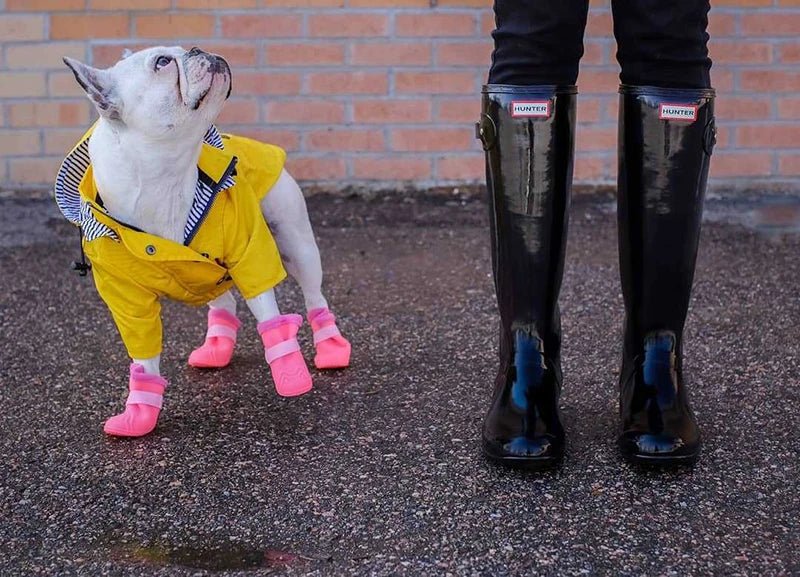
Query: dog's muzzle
[216, 64]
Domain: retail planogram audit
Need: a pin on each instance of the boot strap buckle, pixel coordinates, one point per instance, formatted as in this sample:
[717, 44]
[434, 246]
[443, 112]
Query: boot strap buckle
[486, 131]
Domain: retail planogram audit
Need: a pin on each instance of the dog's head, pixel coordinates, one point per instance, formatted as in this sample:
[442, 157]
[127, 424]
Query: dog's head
[159, 92]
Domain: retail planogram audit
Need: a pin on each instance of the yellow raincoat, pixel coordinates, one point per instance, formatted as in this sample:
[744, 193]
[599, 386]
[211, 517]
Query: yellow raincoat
[228, 244]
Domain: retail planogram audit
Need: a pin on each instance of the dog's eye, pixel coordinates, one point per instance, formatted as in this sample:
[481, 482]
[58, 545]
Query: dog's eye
[162, 61]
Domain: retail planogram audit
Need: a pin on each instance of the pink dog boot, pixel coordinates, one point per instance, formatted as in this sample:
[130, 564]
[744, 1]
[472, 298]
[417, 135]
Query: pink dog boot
[142, 407]
[217, 351]
[286, 362]
[333, 350]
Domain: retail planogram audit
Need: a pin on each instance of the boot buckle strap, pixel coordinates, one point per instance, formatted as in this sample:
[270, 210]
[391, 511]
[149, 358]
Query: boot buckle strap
[486, 131]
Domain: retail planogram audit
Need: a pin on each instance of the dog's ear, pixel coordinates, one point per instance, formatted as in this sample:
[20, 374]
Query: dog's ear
[126, 53]
[99, 87]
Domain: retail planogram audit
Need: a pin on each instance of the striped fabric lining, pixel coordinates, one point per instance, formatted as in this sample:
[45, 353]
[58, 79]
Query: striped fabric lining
[204, 194]
[91, 228]
[78, 212]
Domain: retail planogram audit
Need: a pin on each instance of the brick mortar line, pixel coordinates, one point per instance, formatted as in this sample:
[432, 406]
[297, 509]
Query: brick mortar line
[358, 97]
[356, 126]
[777, 41]
[776, 9]
[717, 42]
[755, 122]
[461, 152]
[312, 9]
[217, 29]
[388, 68]
[717, 185]
[322, 10]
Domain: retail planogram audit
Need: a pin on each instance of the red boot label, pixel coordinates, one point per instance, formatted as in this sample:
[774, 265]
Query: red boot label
[530, 109]
[684, 112]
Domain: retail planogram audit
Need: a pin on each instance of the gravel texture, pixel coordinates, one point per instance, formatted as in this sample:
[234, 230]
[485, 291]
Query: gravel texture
[378, 470]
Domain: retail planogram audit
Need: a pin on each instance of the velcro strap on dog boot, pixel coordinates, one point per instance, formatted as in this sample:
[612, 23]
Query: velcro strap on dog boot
[326, 333]
[217, 350]
[333, 350]
[145, 399]
[282, 351]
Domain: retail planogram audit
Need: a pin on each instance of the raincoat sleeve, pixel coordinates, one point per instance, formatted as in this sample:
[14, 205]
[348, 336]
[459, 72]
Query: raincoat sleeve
[251, 255]
[135, 309]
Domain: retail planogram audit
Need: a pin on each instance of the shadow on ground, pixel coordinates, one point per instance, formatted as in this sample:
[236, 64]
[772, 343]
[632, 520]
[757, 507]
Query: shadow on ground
[378, 470]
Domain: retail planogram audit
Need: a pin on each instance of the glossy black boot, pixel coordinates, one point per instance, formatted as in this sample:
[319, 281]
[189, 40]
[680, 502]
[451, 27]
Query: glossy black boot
[666, 138]
[528, 133]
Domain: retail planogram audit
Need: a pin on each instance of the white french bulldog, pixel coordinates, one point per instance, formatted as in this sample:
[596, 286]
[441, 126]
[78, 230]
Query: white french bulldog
[167, 203]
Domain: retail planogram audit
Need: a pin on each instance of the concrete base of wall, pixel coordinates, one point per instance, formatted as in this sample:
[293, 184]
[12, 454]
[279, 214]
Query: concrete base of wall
[717, 189]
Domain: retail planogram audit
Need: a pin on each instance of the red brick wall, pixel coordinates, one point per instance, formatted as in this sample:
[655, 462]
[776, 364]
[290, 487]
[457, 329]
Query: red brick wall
[379, 91]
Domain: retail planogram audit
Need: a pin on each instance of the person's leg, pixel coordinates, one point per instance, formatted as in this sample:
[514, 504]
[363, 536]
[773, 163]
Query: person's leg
[528, 131]
[662, 43]
[666, 137]
[537, 42]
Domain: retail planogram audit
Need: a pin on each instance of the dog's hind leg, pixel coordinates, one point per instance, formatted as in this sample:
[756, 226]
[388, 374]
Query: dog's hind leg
[217, 349]
[285, 210]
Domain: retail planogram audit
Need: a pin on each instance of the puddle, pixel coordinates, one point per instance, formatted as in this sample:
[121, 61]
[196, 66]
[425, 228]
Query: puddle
[209, 557]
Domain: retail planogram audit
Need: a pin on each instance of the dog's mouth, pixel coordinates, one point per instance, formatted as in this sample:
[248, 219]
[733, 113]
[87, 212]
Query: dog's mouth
[201, 98]
[210, 64]
[207, 91]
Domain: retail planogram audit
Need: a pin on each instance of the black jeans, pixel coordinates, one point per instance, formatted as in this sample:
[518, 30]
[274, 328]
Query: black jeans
[660, 42]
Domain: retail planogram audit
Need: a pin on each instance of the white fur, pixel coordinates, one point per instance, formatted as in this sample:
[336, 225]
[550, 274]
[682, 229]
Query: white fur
[149, 185]
[144, 153]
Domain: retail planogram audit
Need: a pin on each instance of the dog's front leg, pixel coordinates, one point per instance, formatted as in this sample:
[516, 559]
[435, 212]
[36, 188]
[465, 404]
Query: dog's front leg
[152, 366]
[279, 335]
[137, 313]
[264, 306]
[223, 326]
[146, 394]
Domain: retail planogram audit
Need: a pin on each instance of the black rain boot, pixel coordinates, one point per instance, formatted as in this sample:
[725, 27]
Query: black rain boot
[666, 137]
[528, 133]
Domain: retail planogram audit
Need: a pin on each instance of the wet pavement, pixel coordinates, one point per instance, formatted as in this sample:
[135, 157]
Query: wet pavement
[378, 470]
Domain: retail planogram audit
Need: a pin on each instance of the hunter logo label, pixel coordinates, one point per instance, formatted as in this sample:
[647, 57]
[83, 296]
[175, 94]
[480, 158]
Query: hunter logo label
[530, 109]
[685, 112]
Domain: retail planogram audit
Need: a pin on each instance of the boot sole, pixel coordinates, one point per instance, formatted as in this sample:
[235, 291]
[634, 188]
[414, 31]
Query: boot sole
[522, 463]
[207, 365]
[120, 434]
[666, 462]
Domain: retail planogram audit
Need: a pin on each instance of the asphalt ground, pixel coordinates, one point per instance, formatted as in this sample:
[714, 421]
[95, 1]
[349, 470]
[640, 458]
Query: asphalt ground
[378, 471]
